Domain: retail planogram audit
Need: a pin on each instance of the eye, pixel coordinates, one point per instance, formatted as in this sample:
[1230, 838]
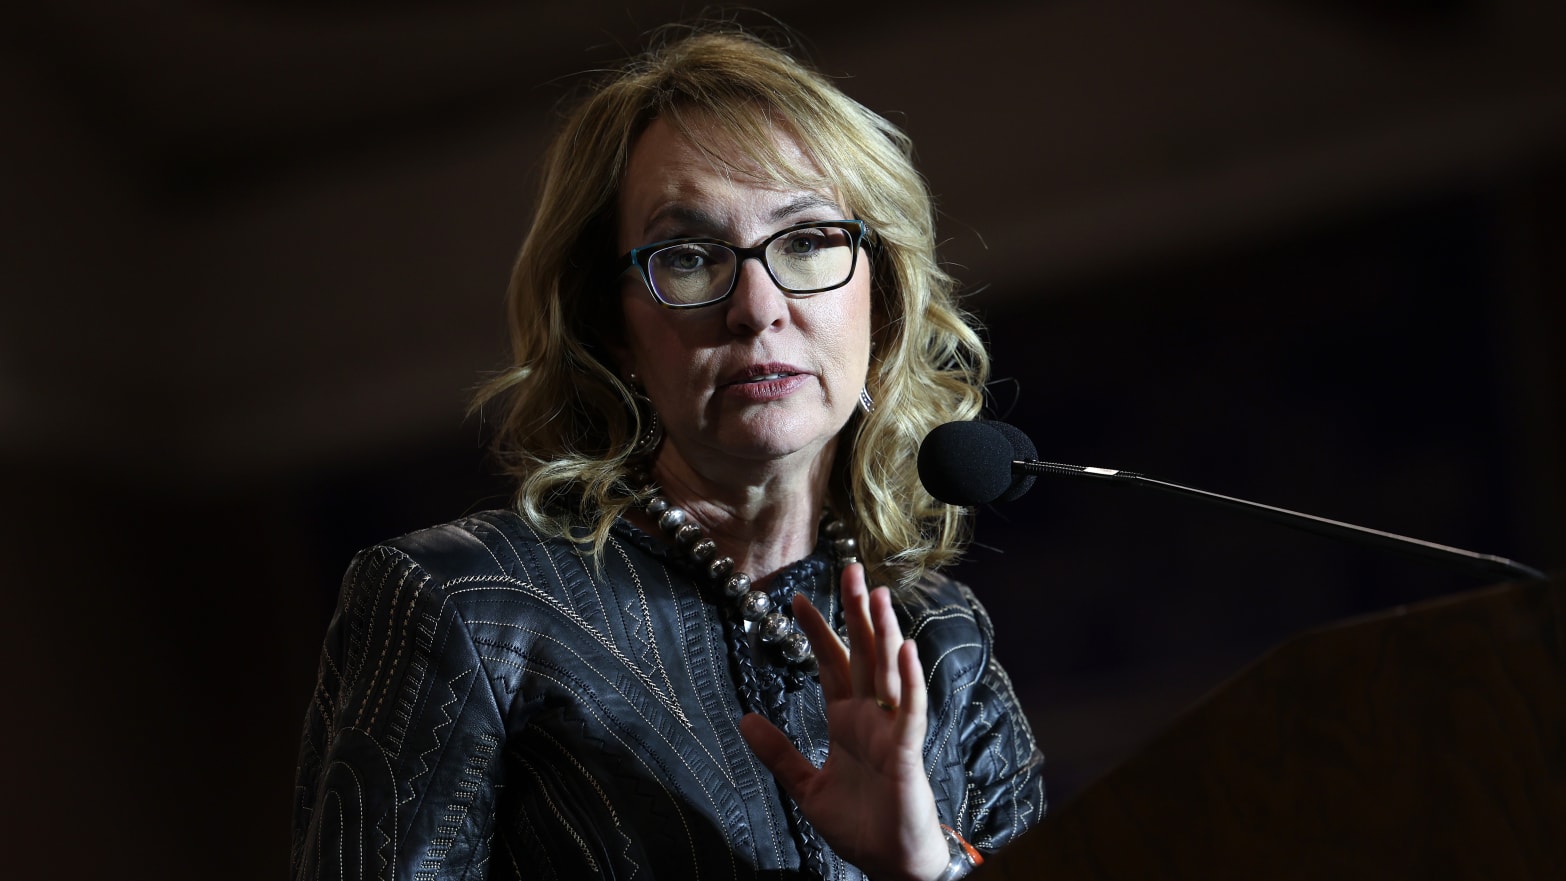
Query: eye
[804, 241]
[684, 258]
[810, 243]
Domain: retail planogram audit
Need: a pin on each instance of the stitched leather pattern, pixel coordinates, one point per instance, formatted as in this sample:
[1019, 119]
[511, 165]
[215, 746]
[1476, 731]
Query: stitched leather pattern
[491, 704]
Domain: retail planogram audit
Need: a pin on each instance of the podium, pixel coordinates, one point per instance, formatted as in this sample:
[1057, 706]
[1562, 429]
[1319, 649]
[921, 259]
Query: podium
[1427, 742]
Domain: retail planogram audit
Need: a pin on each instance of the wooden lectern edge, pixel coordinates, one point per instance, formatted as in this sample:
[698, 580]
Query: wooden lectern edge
[1344, 708]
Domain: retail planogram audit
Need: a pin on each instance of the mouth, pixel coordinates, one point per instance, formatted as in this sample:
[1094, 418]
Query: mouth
[759, 373]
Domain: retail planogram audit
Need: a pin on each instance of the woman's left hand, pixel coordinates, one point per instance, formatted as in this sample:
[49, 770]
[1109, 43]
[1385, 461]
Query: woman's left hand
[870, 800]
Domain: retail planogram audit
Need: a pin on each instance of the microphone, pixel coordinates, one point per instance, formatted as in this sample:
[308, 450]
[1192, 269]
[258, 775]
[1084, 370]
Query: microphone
[971, 463]
[968, 463]
[1022, 449]
[974, 463]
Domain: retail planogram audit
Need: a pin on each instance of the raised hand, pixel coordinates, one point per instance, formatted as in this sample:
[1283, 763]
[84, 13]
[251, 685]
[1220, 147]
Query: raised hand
[870, 800]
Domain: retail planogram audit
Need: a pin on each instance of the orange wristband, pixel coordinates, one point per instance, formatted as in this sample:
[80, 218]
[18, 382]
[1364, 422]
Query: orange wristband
[970, 850]
[953, 837]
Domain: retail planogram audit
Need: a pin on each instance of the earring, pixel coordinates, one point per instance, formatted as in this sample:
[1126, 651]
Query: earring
[866, 403]
[652, 434]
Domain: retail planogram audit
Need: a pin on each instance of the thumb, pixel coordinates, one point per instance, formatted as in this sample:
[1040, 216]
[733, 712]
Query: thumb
[792, 770]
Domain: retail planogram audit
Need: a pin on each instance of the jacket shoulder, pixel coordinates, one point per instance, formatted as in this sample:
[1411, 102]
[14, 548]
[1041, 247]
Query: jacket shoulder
[492, 546]
[937, 598]
[949, 623]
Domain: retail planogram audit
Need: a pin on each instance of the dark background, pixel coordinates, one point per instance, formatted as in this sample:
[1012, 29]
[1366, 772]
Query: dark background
[1300, 251]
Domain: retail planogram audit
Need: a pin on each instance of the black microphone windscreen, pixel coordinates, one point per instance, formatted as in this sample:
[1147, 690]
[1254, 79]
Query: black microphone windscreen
[1021, 448]
[966, 463]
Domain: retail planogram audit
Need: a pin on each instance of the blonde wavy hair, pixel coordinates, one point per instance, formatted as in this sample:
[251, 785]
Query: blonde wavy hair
[568, 423]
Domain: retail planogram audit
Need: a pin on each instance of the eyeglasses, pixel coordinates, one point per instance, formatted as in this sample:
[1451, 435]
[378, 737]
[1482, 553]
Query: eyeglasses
[803, 259]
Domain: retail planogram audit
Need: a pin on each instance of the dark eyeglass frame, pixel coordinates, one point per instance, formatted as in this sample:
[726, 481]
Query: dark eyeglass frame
[640, 258]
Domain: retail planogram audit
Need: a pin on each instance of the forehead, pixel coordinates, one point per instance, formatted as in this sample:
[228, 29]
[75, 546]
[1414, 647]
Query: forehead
[711, 177]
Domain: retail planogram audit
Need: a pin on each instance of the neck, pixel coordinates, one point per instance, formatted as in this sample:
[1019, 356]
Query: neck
[765, 518]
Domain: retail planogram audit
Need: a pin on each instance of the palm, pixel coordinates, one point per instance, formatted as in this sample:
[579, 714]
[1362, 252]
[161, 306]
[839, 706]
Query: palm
[870, 800]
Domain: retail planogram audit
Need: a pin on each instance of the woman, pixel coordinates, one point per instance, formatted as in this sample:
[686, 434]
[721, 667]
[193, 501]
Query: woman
[730, 335]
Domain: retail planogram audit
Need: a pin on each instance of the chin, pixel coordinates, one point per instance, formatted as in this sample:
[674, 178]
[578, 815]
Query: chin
[774, 438]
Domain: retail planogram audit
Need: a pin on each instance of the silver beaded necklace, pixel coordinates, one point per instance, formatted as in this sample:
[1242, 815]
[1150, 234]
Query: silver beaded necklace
[774, 628]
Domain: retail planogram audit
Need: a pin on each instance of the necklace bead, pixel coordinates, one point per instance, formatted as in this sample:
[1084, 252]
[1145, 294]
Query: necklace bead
[795, 648]
[736, 585]
[754, 605]
[772, 627]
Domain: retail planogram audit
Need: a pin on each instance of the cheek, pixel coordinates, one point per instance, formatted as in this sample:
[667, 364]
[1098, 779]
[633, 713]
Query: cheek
[857, 326]
[665, 362]
[846, 335]
[646, 340]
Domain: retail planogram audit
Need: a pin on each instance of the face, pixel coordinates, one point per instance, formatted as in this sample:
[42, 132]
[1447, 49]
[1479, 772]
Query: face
[761, 376]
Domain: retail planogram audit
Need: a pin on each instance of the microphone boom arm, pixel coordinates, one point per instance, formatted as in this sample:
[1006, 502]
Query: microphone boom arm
[1486, 563]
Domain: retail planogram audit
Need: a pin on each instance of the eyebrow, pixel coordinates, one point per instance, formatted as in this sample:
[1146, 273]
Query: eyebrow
[802, 203]
[693, 219]
[686, 217]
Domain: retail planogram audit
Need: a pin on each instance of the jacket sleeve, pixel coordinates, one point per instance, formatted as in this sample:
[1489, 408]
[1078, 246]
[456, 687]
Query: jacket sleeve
[993, 791]
[1005, 782]
[400, 761]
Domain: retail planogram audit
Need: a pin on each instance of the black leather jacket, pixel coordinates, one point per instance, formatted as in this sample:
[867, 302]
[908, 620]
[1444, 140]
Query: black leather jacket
[491, 705]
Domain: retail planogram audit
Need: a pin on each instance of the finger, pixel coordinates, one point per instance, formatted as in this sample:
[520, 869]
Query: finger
[914, 697]
[888, 639]
[792, 770]
[831, 654]
[861, 633]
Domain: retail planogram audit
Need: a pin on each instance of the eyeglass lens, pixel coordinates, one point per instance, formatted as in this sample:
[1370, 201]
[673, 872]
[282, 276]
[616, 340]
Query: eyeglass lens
[800, 261]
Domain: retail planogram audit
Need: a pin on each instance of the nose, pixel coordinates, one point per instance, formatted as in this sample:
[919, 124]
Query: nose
[756, 303]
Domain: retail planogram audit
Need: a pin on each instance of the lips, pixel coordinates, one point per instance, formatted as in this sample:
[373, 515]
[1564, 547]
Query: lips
[759, 373]
[764, 383]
